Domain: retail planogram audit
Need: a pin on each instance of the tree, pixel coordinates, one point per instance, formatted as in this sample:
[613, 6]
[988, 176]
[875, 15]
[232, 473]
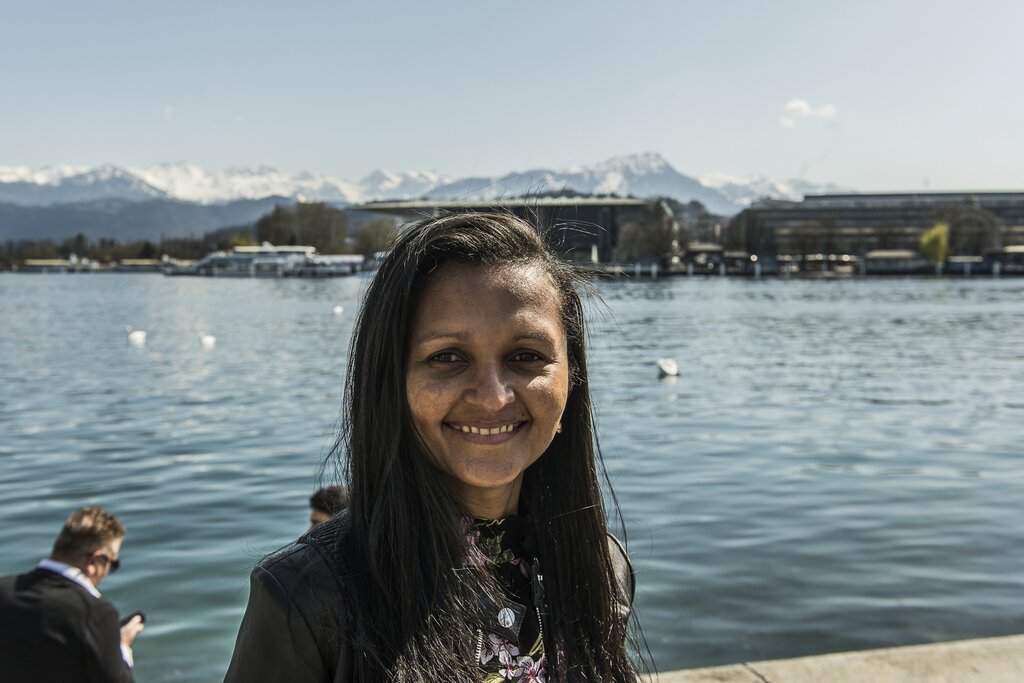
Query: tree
[276, 227]
[375, 236]
[648, 234]
[747, 232]
[147, 250]
[972, 230]
[935, 242]
[78, 244]
[629, 245]
[322, 226]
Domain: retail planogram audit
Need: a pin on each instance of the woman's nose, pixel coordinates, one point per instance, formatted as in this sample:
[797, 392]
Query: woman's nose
[491, 388]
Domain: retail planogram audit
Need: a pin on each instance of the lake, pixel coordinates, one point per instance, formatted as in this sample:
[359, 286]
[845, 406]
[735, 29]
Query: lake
[838, 465]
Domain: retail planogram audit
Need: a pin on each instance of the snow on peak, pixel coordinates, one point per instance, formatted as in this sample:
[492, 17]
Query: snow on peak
[744, 190]
[49, 175]
[612, 183]
[189, 182]
[383, 184]
[378, 175]
[628, 164]
[192, 183]
[104, 172]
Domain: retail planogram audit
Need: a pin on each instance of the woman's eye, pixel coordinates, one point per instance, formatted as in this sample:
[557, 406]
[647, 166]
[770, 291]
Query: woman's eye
[527, 357]
[445, 357]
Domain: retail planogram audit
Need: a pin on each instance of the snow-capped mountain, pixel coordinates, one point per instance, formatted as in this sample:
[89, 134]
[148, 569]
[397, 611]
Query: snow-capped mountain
[744, 190]
[646, 175]
[411, 185]
[537, 181]
[68, 184]
[49, 175]
[189, 182]
[638, 175]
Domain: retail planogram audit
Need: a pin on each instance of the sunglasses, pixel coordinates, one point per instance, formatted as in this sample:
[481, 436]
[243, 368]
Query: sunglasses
[114, 564]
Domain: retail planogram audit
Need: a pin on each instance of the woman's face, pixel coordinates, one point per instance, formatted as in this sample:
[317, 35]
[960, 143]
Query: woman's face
[487, 378]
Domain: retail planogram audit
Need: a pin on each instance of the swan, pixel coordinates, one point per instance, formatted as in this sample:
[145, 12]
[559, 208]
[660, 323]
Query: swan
[135, 337]
[667, 367]
[207, 341]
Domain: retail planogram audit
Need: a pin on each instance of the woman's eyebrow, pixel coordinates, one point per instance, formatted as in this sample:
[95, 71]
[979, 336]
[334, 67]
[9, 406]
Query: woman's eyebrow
[435, 335]
[432, 336]
[535, 336]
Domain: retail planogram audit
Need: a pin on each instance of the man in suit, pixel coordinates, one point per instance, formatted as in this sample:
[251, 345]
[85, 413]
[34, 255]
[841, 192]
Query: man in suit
[54, 625]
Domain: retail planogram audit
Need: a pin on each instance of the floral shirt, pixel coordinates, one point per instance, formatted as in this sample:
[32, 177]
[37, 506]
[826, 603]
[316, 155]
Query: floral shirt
[499, 543]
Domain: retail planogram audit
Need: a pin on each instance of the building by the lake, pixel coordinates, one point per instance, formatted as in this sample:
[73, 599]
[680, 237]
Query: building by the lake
[979, 223]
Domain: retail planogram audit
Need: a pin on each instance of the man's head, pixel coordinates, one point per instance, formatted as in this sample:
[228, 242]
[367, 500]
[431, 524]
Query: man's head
[90, 540]
[326, 503]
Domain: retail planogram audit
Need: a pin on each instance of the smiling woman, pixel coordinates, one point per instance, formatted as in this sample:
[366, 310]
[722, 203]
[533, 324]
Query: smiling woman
[475, 546]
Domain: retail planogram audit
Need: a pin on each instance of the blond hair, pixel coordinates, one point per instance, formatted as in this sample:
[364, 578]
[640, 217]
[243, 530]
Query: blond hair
[86, 530]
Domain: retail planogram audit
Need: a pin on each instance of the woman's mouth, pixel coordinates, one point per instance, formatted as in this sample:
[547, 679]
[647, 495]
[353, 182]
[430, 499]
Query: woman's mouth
[485, 434]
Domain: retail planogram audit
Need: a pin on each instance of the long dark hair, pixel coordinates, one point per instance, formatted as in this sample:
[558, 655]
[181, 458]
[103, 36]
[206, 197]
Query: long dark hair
[413, 595]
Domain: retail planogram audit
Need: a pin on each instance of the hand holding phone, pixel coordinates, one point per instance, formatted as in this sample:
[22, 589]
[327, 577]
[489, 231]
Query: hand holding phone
[137, 613]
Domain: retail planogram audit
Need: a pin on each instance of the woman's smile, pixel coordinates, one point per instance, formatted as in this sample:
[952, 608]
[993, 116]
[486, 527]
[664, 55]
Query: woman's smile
[466, 428]
[475, 433]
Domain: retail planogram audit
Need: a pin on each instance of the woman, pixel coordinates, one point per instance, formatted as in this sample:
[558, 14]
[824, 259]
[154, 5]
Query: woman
[475, 545]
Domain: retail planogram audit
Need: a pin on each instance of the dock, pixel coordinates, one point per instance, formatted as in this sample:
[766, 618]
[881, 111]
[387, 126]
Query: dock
[984, 660]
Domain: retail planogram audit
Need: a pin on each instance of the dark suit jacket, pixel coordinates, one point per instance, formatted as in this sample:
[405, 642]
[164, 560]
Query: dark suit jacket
[52, 629]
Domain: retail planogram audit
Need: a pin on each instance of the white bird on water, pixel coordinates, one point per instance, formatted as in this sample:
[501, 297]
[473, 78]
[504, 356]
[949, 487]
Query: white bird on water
[135, 337]
[667, 367]
[207, 341]
[337, 310]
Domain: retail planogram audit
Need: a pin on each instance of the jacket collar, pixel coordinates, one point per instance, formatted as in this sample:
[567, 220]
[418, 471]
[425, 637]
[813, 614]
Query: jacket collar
[69, 572]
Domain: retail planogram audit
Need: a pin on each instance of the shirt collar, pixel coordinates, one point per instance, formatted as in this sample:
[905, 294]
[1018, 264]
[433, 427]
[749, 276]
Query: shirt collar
[71, 573]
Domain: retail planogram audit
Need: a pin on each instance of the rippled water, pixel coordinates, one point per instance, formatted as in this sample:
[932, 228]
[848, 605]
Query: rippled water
[838, 465]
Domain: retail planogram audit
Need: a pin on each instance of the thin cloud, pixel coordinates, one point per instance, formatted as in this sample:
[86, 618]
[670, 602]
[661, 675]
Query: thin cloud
[168, 112]
[802, 109]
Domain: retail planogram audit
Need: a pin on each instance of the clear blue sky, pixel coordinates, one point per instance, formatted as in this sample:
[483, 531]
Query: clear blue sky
[896, 95]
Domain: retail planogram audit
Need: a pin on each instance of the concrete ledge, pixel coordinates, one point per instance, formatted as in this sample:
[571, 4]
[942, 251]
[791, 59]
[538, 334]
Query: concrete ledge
[986, 660]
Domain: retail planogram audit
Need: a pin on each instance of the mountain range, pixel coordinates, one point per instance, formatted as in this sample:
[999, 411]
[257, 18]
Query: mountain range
[184, 199]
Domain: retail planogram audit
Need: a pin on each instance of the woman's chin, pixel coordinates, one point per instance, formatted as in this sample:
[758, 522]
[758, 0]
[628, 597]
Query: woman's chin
[488, 494]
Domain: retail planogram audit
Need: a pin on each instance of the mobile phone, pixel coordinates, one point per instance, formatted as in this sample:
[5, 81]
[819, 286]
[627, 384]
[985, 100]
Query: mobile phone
[137, 613]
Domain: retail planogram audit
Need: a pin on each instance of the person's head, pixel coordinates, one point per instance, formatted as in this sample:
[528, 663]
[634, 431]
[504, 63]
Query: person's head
[470, 324]
[325, 503]
[90, 540]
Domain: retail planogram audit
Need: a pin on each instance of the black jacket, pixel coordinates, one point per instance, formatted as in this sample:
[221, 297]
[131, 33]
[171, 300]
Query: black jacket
[290, 631]
[51, 629]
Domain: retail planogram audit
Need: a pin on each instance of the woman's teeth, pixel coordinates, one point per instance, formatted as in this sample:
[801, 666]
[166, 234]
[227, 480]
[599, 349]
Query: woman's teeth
[503, 429]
